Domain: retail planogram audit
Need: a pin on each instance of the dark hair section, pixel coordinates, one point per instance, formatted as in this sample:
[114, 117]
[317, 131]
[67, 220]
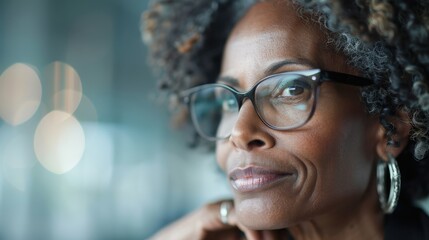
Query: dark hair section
[387, 40]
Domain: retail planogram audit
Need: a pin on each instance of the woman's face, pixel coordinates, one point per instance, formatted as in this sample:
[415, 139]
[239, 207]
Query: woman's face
[325, 168]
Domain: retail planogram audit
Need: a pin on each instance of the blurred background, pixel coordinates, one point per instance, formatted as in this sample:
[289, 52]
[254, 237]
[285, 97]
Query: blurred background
[86, 147]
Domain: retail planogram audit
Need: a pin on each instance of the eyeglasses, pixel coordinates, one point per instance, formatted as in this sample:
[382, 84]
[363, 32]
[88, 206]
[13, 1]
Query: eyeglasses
[282, 101]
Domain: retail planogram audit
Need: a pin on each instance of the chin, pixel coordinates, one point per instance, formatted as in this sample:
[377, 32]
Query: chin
[260, 213]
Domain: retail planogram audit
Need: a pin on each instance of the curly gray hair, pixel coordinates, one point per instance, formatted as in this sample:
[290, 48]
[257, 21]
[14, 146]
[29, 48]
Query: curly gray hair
[391, 51]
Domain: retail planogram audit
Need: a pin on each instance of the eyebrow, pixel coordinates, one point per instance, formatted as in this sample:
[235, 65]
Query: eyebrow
[299, 61]
[271, 69]
[228, 80]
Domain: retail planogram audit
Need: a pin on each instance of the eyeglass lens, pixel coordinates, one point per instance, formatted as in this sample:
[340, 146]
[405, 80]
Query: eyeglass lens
[283, 101]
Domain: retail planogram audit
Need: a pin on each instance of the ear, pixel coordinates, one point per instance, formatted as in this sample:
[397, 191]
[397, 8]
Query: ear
[402, 124]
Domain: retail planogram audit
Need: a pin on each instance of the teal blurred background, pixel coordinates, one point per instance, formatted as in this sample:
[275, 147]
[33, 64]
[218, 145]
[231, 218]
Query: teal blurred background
[86, 147]
[87, 150]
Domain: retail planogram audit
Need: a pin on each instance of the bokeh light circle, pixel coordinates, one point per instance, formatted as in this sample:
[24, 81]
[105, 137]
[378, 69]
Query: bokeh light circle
[64, 86]
[86, 111]
[20, 93]
[59, 142]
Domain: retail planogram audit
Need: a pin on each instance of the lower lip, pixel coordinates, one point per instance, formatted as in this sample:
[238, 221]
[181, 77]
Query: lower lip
[257, 183]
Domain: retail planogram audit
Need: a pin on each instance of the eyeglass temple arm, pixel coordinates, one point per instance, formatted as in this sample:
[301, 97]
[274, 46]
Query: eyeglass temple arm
[345, 78]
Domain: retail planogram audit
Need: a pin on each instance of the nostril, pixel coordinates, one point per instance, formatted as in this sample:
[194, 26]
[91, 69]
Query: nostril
[256, 143]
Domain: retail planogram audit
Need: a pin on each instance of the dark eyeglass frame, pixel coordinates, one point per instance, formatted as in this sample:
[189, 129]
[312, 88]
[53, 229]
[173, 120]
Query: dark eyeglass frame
[318, 75]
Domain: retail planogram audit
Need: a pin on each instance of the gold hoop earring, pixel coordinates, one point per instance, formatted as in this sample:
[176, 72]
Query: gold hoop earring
[388, 203]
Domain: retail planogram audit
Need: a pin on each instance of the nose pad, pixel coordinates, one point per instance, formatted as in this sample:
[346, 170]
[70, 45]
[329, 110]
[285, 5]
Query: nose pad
[249, 132]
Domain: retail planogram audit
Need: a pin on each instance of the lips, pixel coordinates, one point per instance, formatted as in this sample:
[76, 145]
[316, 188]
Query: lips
[253, 178]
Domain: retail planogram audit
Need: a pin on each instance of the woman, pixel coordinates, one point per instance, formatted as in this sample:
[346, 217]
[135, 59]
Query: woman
[312, 105]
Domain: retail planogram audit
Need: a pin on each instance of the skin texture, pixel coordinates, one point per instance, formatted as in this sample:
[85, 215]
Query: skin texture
[331, 192]
[332, 156]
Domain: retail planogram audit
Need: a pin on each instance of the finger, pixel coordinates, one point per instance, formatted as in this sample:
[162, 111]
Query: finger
[225, 209]
[249, 233]
[275, 234]
[224, 234]
[212, 216]
[214, 227]
[256, 234]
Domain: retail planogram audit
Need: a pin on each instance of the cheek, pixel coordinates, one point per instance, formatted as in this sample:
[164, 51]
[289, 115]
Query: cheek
[334, 155]
[337, 151]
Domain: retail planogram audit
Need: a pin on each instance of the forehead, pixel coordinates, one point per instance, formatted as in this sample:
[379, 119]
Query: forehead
[271, 32]
[272, 14]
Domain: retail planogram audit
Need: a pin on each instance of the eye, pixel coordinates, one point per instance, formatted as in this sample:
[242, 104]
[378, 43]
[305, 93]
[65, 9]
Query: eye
[229, 105]
[226, 101]
[292, 91]
[295, 89]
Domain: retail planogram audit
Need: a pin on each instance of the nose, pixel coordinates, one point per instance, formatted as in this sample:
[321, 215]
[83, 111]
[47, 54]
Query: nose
[249, 132]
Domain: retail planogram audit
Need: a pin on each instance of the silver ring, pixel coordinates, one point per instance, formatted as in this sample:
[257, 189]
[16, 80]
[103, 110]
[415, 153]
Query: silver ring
[224, 211]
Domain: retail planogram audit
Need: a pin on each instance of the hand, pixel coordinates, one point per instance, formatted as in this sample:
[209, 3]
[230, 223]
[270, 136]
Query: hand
[205, 224]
